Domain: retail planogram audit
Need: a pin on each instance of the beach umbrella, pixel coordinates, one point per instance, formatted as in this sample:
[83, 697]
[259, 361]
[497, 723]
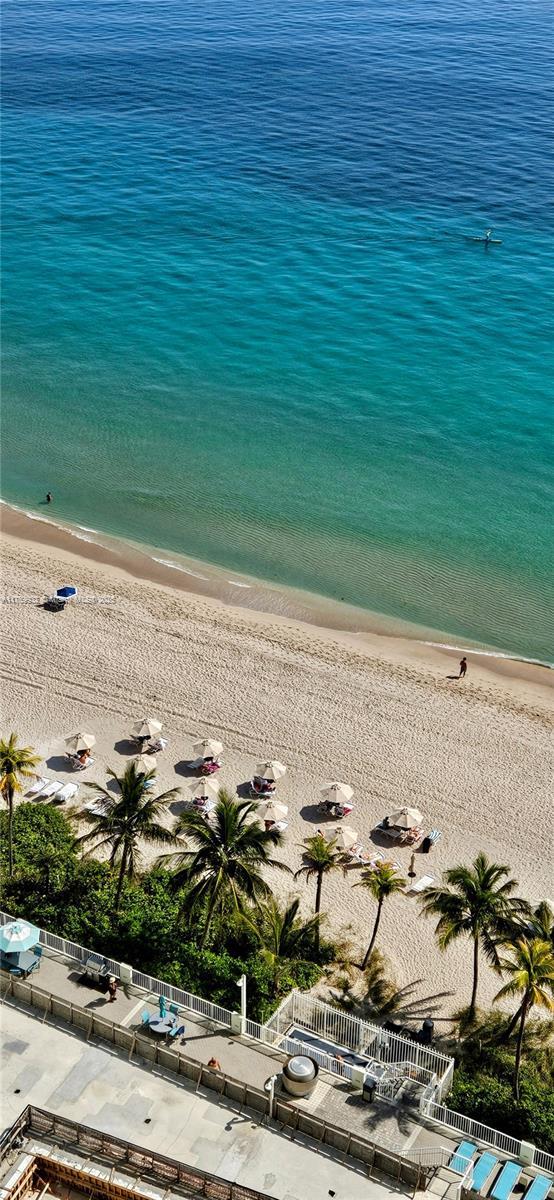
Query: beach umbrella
[208, 747]
[147, 727]
[270, 770]
[204, 787]
[18, 935]
[272, 812]
[337, 792]
[66, 593]
[80, 741]
[145, 763]
[342, 835]
[406, 818]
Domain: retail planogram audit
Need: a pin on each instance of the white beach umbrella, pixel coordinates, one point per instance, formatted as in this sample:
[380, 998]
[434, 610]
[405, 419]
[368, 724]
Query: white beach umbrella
[204, 787]
[147, 727]
[208, 747]
[272, 812]
[270, 770]
[80, 741]
[336, 792]
[18, 935]
[406, 818]
[342, 835]
[145, 763]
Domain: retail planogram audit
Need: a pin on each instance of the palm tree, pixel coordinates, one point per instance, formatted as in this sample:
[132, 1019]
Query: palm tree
[319, 858]
[538, 923]
[16, 763]
[474, 902]
[123, 821]
[282, 934]
[226, 857]
[531, 968]
[381, 881]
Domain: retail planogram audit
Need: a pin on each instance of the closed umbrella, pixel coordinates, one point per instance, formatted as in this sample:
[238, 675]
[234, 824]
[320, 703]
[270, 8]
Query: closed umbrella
[208, 747]
[342, 835]
[147, 727]
[337, 792]
[205, 787]
[66, 593]
[271, 770]
[145, 763]
[272, 812]
[18, 935]
[163, 1006]
[80, 741]
[406, 818]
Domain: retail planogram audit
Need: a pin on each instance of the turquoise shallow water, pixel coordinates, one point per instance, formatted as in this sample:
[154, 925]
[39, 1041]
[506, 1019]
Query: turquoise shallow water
[241, 317]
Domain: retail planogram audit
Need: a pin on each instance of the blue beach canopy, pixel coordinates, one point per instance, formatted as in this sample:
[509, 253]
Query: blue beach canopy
[66, 592]
[18, 935]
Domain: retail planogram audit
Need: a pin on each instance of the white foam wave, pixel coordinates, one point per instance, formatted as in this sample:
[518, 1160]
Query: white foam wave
[235, 583]
[538, 662]
[166, 562]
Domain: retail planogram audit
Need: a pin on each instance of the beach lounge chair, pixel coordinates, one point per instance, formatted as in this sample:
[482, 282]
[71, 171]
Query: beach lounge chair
[421, 884]
[538, 1188]
[506, 1181]
[38, 786]
[483, 1171]
[432, 837]
[461, 1159]
[67, 793]
[54, 786]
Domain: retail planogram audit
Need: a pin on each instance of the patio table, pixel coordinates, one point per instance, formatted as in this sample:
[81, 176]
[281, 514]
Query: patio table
[24, 961]
[162, 1024]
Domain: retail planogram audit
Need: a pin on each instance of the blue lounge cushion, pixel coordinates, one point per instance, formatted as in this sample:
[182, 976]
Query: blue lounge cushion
[459, 1160]
[506, 1181]
[482, 1170]
[538, 1188]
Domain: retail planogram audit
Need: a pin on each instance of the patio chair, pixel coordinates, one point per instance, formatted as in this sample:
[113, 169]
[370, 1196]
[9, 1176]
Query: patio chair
[38, 786]
[506, 1181]
[145, 1017]
[177, 1031]
[538, 1188]
[461, 1159]
[421, 884]
[483, 1171]
[67, 793]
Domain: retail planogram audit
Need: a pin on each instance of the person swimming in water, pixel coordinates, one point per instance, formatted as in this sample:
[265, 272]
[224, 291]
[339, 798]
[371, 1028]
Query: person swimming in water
[49, 497]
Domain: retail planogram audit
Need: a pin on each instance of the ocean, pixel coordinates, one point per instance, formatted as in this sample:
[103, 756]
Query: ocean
[243, 319]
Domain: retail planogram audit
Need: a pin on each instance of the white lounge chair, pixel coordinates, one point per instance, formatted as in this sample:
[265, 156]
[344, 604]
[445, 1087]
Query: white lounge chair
[54, 786]
[38, 786]
[67, 793]
[421, 884]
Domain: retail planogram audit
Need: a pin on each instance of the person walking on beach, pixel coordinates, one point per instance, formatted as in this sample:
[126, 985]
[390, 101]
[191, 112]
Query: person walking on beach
[463, 667]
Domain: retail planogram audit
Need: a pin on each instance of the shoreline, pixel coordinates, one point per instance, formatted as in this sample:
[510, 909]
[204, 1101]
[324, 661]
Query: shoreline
[262, 605]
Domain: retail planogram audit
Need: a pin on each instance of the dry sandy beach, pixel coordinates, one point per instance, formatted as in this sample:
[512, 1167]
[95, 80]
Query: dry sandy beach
[376, 711]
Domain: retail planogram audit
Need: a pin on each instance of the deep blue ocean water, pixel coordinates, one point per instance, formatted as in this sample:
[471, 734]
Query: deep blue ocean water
[242, 318]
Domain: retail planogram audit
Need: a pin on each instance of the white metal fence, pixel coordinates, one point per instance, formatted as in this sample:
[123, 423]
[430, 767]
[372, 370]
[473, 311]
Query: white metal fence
[467, 1126]
[544, 1161]
[357, 1035]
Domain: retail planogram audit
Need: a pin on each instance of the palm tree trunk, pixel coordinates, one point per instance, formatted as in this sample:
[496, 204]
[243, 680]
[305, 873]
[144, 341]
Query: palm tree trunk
[318, 891]
[519, 1046]
[374, 935]
[10, 831]
[209, 918]
[473, 1001]
[507, 1032]
[121, 877]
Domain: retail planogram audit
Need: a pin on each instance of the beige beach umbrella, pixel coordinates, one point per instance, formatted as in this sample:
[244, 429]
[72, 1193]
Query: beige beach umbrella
[337, 792]
[147, 727]
[406, 818]
[80, 741]
[208, 747]
[145, 763]
[342, 835]
[272, 812]
[270, 770]
[205, 787]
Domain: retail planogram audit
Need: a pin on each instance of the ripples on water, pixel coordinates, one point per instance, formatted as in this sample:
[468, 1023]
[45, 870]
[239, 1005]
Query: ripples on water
[241, 317]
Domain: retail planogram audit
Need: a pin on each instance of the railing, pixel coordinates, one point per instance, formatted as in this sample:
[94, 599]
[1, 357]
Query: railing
[38, 1122]
[544, 1161]
[204, 1008]
[385, 1155]
[360, 1036]
[466, 1125]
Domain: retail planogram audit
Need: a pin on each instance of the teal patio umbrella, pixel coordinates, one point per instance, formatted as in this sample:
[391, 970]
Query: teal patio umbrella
[18, 935]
